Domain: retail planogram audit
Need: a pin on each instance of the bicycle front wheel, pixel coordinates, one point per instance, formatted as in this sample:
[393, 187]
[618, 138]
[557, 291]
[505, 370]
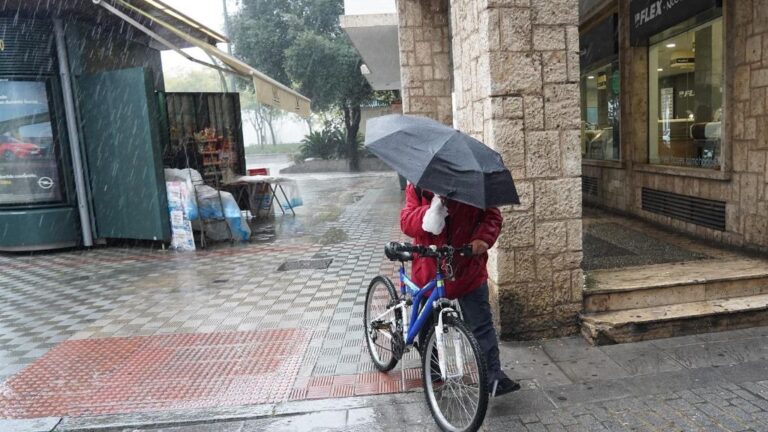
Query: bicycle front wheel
[380, 328]
[457, 397]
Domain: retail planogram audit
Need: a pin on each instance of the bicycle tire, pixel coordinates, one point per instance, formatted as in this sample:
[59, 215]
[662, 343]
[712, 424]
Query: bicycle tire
[475, 419]
[382, 364]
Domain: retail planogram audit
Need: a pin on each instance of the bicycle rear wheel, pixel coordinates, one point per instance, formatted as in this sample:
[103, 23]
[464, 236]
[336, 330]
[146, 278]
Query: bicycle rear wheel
[458, 403]
[381, 334]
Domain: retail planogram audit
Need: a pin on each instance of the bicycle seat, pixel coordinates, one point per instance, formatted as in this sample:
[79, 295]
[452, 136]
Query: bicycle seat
[393, 252]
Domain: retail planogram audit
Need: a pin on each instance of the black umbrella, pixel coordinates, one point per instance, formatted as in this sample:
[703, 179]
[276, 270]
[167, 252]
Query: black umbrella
[441, 159]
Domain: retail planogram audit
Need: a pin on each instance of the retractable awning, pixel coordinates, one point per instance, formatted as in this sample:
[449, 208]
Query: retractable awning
[268, 91]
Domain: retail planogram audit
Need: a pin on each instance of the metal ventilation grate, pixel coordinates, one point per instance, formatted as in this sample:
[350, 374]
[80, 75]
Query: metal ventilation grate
[589, 185]
[699, 211]
[310, 264]
[27, 47]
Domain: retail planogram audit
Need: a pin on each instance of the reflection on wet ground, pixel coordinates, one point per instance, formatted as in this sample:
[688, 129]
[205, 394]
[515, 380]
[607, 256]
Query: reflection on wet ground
[324, 202]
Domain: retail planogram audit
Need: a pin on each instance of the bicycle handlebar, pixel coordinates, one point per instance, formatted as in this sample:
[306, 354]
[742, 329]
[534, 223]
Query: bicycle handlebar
[431, 251]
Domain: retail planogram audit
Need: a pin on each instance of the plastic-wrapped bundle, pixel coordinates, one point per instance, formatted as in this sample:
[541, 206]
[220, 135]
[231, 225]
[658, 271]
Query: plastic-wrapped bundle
[187, 176]
[292, 193]
[203, 202]
[210, 208]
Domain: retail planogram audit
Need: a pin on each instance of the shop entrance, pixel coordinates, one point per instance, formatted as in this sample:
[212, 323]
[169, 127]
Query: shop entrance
[646, 282]
[123, 156]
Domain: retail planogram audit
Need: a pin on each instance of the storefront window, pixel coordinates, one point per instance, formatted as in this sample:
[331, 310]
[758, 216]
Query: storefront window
[600, 89]
[29, 166]
[686, 98]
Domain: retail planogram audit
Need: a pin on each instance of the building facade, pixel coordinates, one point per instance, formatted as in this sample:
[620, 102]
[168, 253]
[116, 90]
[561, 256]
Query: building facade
[58, 92]
[84, 120]
[653, 109]
[673, 115]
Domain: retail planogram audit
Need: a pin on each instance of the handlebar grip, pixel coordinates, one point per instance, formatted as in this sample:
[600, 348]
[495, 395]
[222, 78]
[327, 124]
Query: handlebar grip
[465, 251]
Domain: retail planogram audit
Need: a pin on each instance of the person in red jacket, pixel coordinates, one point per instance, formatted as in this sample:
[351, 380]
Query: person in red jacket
[463, 225]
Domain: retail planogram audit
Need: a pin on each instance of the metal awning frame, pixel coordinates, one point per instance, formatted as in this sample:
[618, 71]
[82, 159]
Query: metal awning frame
[261, 82]
[165, 42]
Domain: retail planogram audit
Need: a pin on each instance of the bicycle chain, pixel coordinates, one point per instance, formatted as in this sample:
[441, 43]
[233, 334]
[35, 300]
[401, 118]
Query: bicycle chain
[398, 343]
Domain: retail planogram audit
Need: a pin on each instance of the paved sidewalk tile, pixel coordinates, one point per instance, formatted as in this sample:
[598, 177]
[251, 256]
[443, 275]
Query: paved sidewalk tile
[133, 330]
[74, 316]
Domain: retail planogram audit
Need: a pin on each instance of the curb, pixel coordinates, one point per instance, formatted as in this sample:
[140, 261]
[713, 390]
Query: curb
[189, 417]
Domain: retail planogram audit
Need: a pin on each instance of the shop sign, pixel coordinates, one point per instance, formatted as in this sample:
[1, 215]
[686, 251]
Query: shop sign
[649, 17]
[29, 183]
[602, 81]
[683, 61]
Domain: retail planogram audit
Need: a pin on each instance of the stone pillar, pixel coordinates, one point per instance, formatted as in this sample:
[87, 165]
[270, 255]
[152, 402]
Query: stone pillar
[746, 26]
[516, 73]
[425, 60]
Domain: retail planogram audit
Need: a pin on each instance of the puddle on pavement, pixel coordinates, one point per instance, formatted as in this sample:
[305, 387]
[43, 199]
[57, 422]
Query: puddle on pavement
[328, 215]
[285, 228]
[333, 236]
[263, 234]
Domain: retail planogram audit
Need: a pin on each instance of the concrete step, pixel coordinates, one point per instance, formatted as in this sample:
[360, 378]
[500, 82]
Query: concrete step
[634, 325]
[672, 284]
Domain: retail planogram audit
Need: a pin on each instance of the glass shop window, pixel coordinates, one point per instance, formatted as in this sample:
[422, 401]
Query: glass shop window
[600, 114]
[686, 98]
[29, 163]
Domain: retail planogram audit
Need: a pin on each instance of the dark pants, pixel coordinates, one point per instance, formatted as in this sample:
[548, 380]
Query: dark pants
[478, 316]
[479, 319]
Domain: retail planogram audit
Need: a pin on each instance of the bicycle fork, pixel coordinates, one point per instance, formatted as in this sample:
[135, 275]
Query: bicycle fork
[440, 341]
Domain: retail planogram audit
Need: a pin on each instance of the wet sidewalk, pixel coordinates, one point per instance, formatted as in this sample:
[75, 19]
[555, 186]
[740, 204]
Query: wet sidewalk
[714, 382]
[119, 330]
[268, 336]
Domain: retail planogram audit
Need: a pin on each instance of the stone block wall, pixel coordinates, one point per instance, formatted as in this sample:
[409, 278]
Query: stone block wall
[515, 72]
[611, 190]
[747, 71]
[516, 77]
[425, 58]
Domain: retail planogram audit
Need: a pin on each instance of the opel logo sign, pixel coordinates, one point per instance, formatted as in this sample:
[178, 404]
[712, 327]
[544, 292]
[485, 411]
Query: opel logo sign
[45, 182]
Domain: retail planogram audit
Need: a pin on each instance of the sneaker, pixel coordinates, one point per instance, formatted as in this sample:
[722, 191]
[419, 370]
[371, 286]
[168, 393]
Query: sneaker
[503, 386]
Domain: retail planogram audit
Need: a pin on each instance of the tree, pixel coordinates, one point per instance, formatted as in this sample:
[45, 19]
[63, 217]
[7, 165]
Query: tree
[300, 43]
[261, 117]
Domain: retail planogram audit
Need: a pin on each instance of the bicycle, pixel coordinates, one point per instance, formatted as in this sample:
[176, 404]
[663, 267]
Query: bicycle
[454, 372]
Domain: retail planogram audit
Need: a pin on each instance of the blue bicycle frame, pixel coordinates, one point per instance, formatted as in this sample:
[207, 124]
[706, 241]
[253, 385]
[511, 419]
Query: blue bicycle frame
[416, 322]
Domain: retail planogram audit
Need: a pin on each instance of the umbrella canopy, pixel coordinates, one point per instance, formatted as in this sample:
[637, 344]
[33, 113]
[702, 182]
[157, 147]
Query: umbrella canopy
[441, 159]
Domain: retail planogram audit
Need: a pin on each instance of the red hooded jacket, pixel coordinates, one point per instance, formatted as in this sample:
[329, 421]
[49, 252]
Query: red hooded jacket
[466, 223]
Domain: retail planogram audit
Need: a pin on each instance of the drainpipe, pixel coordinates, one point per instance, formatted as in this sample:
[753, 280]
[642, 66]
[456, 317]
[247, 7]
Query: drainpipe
[74, 136]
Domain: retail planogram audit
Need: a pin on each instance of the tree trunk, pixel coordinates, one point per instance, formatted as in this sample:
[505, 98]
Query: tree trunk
[253, 119]
[352, 123]
[309, 123]
[271, 131]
